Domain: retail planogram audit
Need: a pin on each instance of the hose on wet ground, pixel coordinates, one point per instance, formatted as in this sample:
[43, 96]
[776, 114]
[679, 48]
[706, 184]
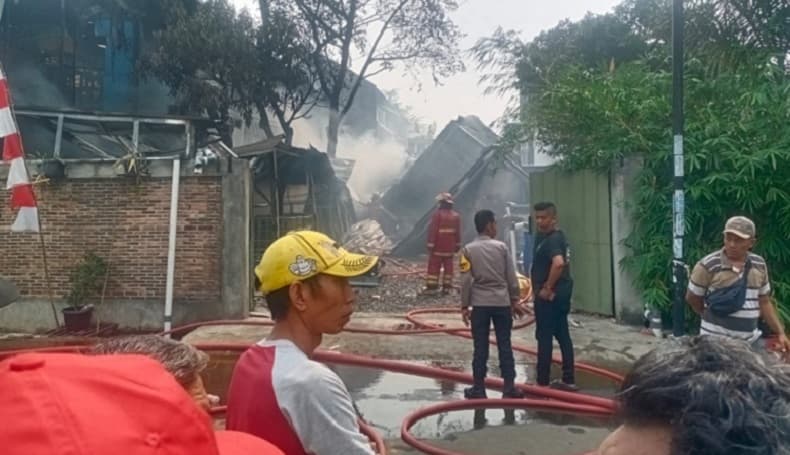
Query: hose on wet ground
[543, 398]
[460, 405]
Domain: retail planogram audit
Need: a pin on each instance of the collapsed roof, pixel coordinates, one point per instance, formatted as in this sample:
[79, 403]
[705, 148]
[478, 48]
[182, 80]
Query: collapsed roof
[454, 152]
[493, 182]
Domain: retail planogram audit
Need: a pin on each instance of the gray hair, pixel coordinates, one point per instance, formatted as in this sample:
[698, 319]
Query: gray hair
[182, 360]
[716, 395]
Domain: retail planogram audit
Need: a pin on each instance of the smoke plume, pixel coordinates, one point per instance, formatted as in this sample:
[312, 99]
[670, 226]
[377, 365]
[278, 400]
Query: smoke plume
[379, 163]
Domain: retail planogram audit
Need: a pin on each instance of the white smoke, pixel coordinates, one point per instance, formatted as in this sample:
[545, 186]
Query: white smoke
[31, 88]
[378, 163]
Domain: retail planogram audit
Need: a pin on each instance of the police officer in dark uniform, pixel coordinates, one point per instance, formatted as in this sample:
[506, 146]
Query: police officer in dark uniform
[553, 286]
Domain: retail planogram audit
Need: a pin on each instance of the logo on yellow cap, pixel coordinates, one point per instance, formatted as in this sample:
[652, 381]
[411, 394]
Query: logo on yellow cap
[303, 266]
[303, 254]
[358, 264]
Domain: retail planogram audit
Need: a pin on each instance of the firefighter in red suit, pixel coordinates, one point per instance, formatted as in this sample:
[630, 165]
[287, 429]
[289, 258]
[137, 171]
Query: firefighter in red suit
[444, 240]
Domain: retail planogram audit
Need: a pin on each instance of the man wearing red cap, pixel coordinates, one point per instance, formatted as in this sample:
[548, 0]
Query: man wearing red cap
[277, 392]
[73, 404]
[444, 240]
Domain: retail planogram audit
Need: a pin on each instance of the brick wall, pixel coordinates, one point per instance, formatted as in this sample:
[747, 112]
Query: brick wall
[126, 224]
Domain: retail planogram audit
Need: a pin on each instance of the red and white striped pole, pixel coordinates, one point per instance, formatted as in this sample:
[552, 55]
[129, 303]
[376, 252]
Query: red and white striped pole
[23, 198]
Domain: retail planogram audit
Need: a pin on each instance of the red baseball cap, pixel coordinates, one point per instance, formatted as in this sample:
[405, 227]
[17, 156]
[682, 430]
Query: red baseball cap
[72, 404]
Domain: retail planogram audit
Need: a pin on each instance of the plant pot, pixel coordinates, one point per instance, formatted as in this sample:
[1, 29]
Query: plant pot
[77, 319]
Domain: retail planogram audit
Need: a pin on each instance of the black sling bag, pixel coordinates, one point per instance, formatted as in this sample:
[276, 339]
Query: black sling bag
[728, 300]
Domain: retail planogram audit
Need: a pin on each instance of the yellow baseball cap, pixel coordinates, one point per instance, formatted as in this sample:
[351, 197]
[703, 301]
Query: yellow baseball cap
[300, 255]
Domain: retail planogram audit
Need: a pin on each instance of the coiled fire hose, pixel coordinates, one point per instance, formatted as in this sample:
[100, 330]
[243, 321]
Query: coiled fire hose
[549, 399]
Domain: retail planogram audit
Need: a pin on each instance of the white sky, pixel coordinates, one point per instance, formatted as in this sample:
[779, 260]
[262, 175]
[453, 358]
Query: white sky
[460, 94]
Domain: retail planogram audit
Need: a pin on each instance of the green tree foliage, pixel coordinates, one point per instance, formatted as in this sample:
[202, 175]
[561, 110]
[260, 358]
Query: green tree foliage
[380, 34]
[737, 133]
[215, 60]
[283, 80]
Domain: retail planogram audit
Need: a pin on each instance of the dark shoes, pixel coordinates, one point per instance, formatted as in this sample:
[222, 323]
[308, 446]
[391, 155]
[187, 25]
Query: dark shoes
[564, 386]
[429, 292]
[472, 393]
[512, 393]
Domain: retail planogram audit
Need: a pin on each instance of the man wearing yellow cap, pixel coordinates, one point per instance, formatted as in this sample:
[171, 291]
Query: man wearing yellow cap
[277, 392]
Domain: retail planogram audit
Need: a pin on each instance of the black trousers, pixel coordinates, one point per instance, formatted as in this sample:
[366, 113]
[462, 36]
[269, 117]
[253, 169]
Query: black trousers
[551, 321]
[481, 320]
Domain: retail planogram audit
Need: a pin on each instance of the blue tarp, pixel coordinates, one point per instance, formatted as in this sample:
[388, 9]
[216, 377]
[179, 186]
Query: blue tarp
[527, 253]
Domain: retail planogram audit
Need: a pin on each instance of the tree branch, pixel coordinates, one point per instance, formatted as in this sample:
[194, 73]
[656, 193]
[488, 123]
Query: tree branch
[334, 8]
[318, 59]
[371, 55]
[314, 17]
[348, 37]
[393, 58]
[377, 72]
[263, 123]
[370, 19]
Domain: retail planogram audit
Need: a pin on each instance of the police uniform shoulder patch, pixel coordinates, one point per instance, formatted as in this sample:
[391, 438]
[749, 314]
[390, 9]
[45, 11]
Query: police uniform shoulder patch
[463, 264]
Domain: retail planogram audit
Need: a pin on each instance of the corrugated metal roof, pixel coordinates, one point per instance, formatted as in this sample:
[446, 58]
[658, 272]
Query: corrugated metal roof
[260, 147]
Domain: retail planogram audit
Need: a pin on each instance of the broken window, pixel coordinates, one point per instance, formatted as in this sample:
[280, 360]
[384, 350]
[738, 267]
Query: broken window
[78, 54]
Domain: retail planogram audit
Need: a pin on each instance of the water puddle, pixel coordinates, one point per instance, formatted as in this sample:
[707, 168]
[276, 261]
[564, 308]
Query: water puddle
[385, 398]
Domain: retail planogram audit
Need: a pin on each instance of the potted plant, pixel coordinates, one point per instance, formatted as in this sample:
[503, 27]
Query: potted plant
[86, 280]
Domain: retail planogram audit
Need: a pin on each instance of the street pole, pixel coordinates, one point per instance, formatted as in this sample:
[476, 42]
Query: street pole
[678, 198]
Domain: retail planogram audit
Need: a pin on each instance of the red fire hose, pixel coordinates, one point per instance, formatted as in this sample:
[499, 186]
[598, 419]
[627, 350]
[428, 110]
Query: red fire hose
[411, 317]
[552, 400]
[460, 405]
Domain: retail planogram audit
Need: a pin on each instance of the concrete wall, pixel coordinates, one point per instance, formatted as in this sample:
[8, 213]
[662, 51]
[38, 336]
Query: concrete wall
[628, 303]
[127, 223]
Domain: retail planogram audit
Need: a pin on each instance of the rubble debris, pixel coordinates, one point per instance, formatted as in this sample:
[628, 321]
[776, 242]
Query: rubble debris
[367, 237]
[402, 280]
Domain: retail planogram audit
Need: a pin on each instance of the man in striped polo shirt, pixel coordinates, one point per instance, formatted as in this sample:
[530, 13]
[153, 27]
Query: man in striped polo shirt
[724, 268]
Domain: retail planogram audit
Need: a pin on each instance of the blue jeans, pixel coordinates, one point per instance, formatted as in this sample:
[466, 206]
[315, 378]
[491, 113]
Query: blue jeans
[481, 320]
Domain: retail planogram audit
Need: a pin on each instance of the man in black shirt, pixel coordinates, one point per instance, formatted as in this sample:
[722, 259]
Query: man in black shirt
[553, 286]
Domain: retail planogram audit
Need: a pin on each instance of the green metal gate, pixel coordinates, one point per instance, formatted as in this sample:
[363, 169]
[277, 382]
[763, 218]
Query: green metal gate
[584, 202]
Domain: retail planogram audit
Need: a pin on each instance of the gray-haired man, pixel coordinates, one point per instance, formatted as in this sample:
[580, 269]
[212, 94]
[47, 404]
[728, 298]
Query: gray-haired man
[725, 268]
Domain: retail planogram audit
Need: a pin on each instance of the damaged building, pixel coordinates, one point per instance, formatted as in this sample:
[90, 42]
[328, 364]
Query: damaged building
[493, 183]
[81, 54]
[463, 160]
[179, 218]
[157, 198]
[460, 144]
[293, 189]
